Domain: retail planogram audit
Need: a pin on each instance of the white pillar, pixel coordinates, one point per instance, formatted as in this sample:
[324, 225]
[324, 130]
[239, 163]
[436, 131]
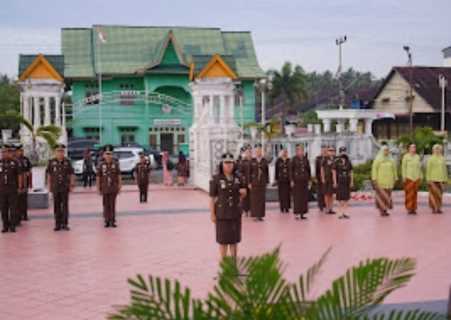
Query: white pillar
[368, 126]
[326, 123]
[353, 124]
[340, 126]
[57, 111]
[64, 116]
[37, 113]
[46, 111]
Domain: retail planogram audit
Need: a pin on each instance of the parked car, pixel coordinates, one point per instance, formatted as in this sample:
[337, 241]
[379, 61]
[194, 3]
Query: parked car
[128, 157]
[76, 147]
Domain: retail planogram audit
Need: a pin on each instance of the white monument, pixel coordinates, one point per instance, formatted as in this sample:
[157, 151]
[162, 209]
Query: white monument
[214, 130]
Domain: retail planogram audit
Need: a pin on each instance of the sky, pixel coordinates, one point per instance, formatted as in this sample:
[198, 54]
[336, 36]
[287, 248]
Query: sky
[302, 32]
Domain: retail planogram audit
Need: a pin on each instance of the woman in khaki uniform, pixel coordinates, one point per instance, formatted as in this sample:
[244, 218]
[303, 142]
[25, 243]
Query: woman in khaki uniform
[259, 179]
[226, 192]
[343, 181]
[282, 178]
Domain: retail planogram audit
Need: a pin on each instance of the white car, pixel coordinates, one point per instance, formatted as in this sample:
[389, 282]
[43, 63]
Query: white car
[128, 158]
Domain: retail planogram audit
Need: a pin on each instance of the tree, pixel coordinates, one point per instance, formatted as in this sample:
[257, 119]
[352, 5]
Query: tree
[424, 138]
[254, 288]
[9, 101]
[50, 134]
[288, 85]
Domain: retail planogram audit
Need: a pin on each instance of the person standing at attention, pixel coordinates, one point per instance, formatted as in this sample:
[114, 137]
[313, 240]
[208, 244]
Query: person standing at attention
[437, 178]
[411, 176]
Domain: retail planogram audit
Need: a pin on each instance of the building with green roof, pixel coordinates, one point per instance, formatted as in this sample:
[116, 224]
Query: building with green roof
[145, 75]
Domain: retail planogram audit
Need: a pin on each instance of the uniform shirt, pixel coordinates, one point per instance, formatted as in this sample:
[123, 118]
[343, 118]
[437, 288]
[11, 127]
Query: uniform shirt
[411, 167]
[327, 167]
[259, 172]
[108, 175]
[384, 172]
[9, 175]
[142, 171]
[60, 172]
[282, 170]
[436, 170]
[227, 192]
[26, 168]
[244, 170]
[342, 167]
[300, 169]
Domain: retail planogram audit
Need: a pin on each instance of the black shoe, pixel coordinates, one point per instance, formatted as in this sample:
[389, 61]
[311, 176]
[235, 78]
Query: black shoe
[346, 216]
[12, 229]
[107, 224]
[303, 217]
[4, 230]
[57, 228]
[66, 228]
[113, 224]
[25, 219]
[331, 212]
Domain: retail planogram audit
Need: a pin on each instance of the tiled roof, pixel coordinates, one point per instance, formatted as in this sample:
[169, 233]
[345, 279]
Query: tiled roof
[425, 83]
[57, 61]
[128, 49]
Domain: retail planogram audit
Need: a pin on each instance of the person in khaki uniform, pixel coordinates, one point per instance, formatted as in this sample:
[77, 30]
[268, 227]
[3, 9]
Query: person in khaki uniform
[226, 193]
[244, 169]
[282, 179]
[22, 202]
[10, 186]
[300, 175]
[142, 173]
[109, 184]
[343, 181]
[61, 181]
[327, 180]
[259, 179]
[319, 183]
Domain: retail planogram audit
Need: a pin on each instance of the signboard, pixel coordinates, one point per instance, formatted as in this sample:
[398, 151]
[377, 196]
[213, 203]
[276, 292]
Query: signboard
[167, 122]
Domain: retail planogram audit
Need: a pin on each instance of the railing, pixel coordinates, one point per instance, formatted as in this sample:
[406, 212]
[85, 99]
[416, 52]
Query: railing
[131, 97]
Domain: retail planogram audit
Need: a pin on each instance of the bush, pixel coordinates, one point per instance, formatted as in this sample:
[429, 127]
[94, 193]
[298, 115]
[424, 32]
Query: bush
[362, 173]
[423, 138]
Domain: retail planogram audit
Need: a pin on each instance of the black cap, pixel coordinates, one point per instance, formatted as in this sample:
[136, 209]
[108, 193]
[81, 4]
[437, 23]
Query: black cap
[108, 148]
[258, 145]
[227, 157]
[60, 146]
[19, 146]
[243, 149]
[6, 146]
[141, 153]
[342, 149]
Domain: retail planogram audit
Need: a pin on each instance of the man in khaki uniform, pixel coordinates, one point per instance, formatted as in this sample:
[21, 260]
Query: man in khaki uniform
[109, 184]
[142, 173]
[61, 181]
[258, 180]
[10, 186]
[22, 202]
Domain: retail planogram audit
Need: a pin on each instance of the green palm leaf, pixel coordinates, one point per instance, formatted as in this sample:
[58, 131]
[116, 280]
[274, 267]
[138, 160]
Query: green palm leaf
[160, 299]
[250, 288]
[404, 315]
[362, 288]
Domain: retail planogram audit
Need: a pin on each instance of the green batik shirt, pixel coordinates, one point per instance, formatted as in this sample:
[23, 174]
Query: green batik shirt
[411, 167]
[384, 172]
[436, 169]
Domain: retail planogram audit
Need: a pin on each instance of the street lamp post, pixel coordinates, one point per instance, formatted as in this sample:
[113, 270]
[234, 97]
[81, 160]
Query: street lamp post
[264, 85]
[443, 83]
[339, 42]
[409, 62]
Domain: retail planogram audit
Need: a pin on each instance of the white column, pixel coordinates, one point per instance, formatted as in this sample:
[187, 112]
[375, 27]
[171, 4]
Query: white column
[57, 111]
[368, 126]
[340, 126]
[46, 111]
[326, 123]
[353, 124]
[64, 116]
[210, 106]
[37, 113]
[222, 110]
[231, 108]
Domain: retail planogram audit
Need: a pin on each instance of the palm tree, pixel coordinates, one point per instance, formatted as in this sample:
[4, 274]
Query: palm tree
[50, 134]
[254, 288]
[289, 85]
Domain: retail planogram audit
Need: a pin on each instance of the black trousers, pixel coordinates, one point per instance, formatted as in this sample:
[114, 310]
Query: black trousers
[8, 205]
[143, 190]
[88, 178]
[61, 208]
[109, 207]
[22, 206]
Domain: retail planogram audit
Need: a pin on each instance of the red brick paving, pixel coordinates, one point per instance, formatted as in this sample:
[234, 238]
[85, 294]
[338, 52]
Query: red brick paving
[81, 274]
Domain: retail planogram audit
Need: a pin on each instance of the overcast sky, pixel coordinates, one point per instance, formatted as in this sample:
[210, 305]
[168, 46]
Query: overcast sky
[301, 31]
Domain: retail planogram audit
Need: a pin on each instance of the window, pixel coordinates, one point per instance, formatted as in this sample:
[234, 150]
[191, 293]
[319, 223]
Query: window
[153, 141]
[92, 93]
[92, 133]
[128, 94]
[53, 111]
[41, 111]
[33, 115]
[216, 109]
[180, 138]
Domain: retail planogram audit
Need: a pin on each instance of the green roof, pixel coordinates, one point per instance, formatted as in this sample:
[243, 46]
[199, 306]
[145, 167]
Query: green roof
[129, 49]
[57, 62]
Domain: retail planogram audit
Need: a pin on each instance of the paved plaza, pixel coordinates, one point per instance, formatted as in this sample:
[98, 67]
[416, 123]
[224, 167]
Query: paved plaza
[82, 274]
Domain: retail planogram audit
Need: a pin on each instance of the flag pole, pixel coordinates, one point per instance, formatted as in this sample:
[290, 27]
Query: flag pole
[99, 71]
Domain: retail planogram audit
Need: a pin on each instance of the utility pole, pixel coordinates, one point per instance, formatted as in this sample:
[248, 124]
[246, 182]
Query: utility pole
[443, 83]
[410, 64]
[339, 42]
